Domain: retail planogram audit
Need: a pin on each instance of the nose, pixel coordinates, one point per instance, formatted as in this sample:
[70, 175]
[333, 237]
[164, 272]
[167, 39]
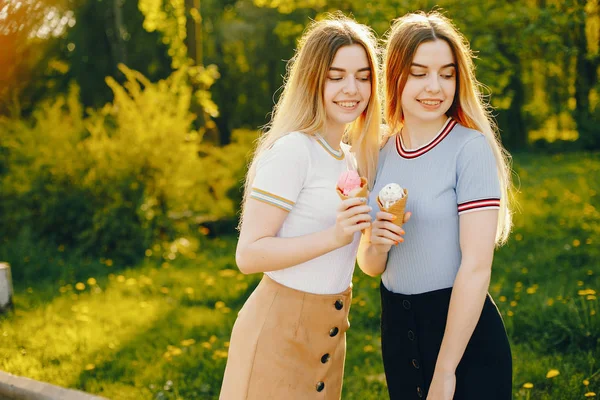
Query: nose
[350, 87]
[433, 84]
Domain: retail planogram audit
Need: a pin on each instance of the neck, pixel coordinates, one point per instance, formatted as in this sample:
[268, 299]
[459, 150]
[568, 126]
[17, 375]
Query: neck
[416, 134]
[333, 134]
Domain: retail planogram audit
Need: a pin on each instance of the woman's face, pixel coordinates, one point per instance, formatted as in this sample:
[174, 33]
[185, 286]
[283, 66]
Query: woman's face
[348, 86]
[431, 84]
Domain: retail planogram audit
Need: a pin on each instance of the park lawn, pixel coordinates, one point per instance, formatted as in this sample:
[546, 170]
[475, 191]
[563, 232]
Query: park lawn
[161, 330]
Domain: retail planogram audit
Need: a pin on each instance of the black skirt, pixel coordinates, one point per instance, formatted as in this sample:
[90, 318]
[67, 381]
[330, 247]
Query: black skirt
[412, 328]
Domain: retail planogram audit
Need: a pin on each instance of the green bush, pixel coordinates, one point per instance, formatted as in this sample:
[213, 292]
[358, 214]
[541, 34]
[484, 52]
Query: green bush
[114, 181]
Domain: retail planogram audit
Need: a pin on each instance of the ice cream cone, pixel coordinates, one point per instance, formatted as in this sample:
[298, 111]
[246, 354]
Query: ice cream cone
[364, 190]
[397, 208]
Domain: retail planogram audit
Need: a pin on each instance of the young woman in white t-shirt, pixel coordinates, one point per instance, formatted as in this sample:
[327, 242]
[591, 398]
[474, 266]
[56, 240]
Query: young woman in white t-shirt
[288, 341]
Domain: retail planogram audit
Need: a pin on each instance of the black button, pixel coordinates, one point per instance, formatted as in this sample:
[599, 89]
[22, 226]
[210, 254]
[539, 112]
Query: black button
[333, 331]
[320, 386]
[325, 358]
[419, 391]
[339, 304]
[415, 363]
[406, 304]
[411, 335]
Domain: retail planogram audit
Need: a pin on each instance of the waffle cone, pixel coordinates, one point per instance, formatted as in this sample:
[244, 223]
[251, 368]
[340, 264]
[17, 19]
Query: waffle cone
[364, 190]
[397, 208]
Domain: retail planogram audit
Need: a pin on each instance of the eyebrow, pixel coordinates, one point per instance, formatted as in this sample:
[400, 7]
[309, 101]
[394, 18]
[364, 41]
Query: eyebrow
[425, 66]
[343, 70]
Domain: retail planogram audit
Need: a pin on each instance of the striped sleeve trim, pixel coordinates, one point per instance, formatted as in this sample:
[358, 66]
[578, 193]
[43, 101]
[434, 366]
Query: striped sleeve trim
[272, 199]
[476, 205]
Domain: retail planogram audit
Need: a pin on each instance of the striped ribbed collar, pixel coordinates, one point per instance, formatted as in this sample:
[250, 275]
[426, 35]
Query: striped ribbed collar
[448, 125]
[337, 154]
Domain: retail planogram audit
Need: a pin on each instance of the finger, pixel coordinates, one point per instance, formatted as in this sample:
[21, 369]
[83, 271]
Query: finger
[382, 240]
[407, 216]
[357, 219]
[386, 234]
[385, 216]
[355, 211]
[352, 202]
[358, 227]
[382, 224]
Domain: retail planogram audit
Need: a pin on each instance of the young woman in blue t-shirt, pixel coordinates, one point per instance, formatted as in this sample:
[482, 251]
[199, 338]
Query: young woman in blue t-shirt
[442, 335]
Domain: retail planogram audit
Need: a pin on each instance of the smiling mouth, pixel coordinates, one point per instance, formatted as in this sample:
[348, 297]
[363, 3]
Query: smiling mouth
[346, 104]
[430, 102]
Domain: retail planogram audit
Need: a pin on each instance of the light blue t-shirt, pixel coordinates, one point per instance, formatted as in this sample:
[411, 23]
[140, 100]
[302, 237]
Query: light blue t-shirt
[454, 173]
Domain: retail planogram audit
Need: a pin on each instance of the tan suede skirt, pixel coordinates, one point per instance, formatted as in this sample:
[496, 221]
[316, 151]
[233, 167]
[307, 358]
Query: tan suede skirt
[287, 344]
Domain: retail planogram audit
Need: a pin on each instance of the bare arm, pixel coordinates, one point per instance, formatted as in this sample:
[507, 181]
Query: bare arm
[377, 241]
[477, 236]
[259, 250]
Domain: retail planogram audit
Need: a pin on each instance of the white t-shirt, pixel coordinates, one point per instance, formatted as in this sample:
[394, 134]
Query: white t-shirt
[299, 174]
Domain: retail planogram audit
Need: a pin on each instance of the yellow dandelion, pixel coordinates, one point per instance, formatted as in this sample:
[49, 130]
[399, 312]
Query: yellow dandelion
[189, 290]
[89, 367]
[210, 281]
[164, 290]
[531, 290]
[91, 281]
[148, 252]
[579, 283]
[593, 312]
[590, 394]
[552, 373]
[586, 382]
[226, 344]
[518, 236]
[550, 302]
[588, 241]
[586, 292]
[503, 298]
[176, 351]
[368, 349]
[528, 385]
[187, 342]
[80, 286]
[227, 273]
[219, 304]
[524, 271]
[590, 272]
[206, 345]
[362, 303]
[576, 243]
[120, 278]
[225, 310]
[204, 230]
[131, 281]
[510, 313]
[590, 297]
[219, 354]
[513, 303]
[213, 339]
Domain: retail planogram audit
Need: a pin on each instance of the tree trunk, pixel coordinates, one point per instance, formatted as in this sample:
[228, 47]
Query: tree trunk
[586, 79]
[6, 290]
[511, 121]
[194, 30]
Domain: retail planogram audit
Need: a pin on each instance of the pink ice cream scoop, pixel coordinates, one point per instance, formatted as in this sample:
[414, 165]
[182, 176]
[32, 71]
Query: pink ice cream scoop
[348, 181]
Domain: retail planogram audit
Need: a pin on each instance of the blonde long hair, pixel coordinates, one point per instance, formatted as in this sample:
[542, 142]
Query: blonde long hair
[301, 106]
[469, 107]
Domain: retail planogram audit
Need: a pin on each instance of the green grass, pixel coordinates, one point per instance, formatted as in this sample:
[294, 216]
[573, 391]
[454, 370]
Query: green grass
[160, 331]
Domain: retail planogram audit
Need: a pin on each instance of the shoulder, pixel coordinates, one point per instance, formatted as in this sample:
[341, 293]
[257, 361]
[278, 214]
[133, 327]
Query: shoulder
[464, 135]
[293, 141]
